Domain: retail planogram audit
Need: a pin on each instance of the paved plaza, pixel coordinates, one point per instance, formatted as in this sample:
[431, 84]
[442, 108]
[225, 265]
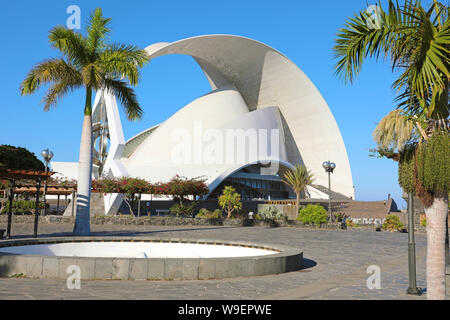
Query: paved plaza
[336, 265]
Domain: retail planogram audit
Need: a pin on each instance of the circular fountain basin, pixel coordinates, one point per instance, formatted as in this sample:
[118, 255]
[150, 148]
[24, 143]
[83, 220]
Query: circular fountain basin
[141, 258]
[143, 250]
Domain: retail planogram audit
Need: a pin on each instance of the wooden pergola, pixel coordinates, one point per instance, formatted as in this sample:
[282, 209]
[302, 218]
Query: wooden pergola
[13, 176]
[52, 190]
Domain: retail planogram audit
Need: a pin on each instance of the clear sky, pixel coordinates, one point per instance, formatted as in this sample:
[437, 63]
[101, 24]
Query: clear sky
[302, 30]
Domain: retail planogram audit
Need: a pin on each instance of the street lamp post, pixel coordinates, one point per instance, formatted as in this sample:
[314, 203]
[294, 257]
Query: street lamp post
[47, 155]
[36, 213]
[329, 168]
[412, 289]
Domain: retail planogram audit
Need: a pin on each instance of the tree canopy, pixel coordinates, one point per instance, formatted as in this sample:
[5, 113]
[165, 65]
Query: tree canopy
[416, 39]
[89, 62]
[19, 158]
[230, 200]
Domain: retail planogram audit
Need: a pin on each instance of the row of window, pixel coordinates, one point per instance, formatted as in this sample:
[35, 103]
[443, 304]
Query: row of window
[251, 189]
[256, 183]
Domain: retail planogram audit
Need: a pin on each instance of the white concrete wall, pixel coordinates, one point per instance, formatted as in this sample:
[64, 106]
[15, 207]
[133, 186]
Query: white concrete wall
[222, 112]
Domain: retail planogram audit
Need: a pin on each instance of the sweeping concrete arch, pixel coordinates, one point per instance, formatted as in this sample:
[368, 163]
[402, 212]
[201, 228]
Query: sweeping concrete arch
[265, 78]
[231, 170]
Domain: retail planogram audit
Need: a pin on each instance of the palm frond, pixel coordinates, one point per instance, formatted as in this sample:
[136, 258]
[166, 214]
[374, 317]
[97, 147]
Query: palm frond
[298, 178]
[360, 39]
[91, 63]
[50, 71]
[97, 31]
[129, 53]
[428, 61]
[418, 43]
[412, 104]
[56, 92]
[70, 43]
[123, 61]
[441, 12]
[93, 76]
[126, 96]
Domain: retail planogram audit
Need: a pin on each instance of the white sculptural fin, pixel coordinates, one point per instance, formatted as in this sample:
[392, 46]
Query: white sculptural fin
[105, 113]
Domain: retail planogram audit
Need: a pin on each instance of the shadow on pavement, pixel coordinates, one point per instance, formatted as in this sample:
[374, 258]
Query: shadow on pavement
[308, 264]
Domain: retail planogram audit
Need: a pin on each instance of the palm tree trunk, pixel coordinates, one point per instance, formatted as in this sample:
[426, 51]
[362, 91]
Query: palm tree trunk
[436, 230]
[298, 203]
[82, 220]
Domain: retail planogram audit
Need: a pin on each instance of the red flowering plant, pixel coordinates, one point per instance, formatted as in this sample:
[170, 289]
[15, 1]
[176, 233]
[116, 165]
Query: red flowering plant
[3, 184]
[178, 187]
[132, 188]
[61, 181]
[104, 185]
[181, 187]
[160, 189]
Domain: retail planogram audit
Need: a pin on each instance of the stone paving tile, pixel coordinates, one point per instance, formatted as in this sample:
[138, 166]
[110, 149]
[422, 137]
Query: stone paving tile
[336, 260]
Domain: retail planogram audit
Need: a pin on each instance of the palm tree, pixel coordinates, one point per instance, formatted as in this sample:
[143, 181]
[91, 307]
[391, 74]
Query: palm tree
[417, 41]
[298, 179]
[90, 63]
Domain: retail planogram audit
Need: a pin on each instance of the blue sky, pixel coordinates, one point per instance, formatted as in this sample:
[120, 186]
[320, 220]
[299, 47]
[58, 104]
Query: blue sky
[302, 30]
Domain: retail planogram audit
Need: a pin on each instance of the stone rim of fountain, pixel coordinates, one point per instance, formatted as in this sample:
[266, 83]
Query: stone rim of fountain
[285, 259]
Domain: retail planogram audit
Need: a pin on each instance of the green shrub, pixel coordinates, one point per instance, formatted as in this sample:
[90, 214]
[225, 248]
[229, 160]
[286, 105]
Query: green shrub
[181, 210]
[423, 223]
[23, 206]
[340, 217]
[218, 213]
[257, 217]
[393, 223]
[270, 213]
[230, 201]
[206, 214]
[350, 223]
[313, 214]
[203, 213]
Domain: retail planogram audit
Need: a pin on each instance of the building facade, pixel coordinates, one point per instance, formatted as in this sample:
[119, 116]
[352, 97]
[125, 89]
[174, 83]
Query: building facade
[262, 116]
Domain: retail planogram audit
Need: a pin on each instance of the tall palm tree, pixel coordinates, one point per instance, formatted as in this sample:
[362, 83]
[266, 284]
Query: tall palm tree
[88, 63]
[298, 179]
[417, 41]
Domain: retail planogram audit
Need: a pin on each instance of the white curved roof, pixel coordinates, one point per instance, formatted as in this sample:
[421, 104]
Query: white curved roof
[201, 139]
[264, 78]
